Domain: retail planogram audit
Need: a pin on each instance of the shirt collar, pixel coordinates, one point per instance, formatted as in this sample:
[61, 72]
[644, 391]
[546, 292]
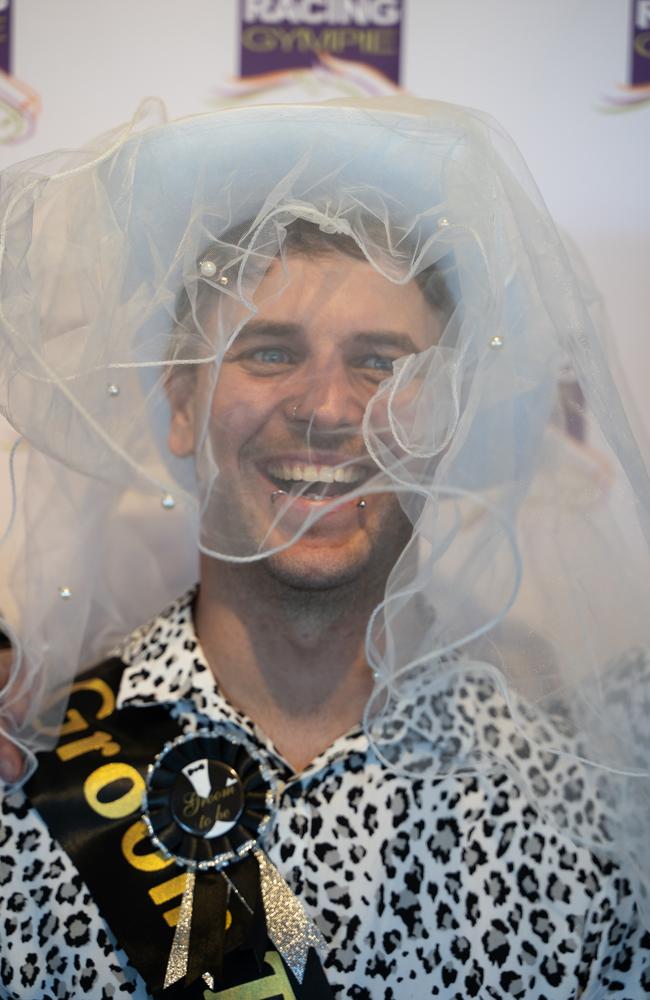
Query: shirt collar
[164, 660]
[165, 664]
[442, 721]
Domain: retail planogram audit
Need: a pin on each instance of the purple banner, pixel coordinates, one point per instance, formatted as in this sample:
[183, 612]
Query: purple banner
[640, 53]
[5, 35]
[286, 34]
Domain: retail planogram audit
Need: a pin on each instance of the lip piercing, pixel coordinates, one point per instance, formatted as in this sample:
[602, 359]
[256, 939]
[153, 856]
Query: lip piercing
[362, 504]
[277, 494]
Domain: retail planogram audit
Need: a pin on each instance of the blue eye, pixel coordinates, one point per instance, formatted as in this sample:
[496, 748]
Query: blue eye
[272, 356]
[376, 362]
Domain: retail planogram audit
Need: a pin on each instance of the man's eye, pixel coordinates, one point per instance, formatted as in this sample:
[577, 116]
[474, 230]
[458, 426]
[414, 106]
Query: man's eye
[378, 363]
[272, 356]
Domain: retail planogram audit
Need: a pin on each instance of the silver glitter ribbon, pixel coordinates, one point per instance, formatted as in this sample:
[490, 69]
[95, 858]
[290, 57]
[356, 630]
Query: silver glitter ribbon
[289, 927]
[179, 954]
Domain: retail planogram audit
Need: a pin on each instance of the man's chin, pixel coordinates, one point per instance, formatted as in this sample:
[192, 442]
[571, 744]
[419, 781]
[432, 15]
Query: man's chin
[316, 569]
[364, 560]
[333, 553]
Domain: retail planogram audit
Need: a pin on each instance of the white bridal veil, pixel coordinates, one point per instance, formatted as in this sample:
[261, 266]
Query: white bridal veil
[130, 271]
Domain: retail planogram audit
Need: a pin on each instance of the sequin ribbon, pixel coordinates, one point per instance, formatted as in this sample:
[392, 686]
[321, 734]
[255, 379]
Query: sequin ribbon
[179, 955]
[288, 926]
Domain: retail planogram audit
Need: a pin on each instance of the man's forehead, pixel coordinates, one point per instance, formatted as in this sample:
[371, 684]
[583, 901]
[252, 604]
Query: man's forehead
[348, 293]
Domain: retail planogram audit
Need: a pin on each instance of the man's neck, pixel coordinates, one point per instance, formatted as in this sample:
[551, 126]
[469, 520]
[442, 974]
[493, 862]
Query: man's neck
[292, 659]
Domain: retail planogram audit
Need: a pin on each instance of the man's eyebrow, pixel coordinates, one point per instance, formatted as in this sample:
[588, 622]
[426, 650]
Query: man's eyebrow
[386, 338]
[365, 339]
[268, 328]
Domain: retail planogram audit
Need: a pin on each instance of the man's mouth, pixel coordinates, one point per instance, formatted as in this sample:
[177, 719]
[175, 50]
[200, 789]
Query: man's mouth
[315, 481]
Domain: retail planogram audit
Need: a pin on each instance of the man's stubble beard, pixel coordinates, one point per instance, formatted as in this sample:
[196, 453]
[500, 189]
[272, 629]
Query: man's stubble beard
[360, 579]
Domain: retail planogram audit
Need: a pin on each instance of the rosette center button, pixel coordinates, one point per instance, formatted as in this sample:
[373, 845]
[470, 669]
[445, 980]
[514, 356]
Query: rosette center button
[207, 798]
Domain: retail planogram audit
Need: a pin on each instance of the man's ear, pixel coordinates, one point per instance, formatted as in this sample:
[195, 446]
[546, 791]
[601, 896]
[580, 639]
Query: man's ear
[181, 426]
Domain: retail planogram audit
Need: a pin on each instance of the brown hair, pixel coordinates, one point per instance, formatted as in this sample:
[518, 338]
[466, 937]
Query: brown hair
[306, 238]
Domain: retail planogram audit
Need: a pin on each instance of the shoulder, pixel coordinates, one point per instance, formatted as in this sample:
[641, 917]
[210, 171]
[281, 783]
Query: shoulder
[53, 940]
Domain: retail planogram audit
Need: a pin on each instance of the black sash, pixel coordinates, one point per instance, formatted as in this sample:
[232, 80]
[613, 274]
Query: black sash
[89, 791]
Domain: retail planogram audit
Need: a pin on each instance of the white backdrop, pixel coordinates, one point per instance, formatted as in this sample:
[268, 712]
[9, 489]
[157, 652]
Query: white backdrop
[544, 68]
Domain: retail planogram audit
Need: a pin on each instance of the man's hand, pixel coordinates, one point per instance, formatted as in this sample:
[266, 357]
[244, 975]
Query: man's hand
[11, 759]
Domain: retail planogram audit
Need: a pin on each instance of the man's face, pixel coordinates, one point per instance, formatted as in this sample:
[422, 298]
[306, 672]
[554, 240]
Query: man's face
[286, 416]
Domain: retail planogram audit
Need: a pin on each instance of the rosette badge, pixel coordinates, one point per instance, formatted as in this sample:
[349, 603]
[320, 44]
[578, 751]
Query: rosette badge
[210, 800]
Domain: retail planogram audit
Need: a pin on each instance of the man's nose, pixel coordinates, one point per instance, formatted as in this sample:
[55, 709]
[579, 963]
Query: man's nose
[327, 400]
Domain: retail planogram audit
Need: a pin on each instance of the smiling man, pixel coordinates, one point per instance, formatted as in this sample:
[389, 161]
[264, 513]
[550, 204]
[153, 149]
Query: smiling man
[324, 345]
[284, 428]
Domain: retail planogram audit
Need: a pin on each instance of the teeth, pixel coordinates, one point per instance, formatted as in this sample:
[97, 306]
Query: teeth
[350, 475]
[316, 473]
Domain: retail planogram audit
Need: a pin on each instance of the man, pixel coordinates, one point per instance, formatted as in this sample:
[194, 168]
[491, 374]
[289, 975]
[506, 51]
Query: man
[318, 370]
[292, 392]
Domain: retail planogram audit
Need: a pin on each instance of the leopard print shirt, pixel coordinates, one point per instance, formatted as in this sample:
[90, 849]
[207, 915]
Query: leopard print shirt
[451, 888]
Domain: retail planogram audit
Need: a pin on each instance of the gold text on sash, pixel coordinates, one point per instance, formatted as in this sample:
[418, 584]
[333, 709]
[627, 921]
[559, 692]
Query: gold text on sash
[128, 802]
